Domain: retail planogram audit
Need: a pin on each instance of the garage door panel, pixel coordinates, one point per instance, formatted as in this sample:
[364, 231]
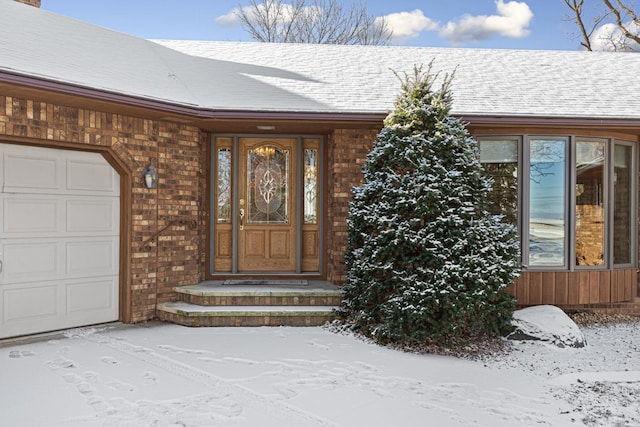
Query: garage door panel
[91, 258]
[31, 215]
[31, 172]
[91, 296]
[30, 302]
[94, 216]
[57, 304]
[30, 261]
[94, 176]
[28, 215]
[59, 240]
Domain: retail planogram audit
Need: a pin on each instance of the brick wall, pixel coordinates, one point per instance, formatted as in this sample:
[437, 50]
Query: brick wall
[347, 151]
[176, 256]
[35, 3]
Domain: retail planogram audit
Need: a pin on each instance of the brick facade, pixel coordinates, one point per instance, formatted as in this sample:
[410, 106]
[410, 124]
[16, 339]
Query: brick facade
[348, 149]
[176, 256]
[35, 3]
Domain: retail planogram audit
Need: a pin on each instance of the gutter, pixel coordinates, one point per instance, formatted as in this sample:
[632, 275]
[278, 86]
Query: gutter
[548, 120]
[197, 112]
[191, 110]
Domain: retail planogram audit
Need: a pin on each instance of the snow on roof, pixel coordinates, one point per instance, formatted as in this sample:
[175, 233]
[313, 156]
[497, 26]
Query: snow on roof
[241, 76]
[487, 81]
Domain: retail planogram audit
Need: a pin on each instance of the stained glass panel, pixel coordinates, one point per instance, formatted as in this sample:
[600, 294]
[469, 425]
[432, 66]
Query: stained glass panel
[311, 186]
[267, 185]
[224, 185]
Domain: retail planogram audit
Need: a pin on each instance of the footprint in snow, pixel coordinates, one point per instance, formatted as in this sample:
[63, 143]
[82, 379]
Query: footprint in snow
[85, 388]
[175, 349]
[109, 360]
[14, 354]
[150, 377]
[119, 385]
[92, 377]
[61, 362]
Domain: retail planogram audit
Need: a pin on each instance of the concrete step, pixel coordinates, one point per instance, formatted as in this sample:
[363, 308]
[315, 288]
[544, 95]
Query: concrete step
[219, 294]
[188, 314]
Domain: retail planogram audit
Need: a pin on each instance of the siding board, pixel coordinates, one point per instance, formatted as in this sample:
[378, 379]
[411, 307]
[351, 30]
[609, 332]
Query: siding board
[535, 286]
[562, 290]
[594, 287]
[605, 286]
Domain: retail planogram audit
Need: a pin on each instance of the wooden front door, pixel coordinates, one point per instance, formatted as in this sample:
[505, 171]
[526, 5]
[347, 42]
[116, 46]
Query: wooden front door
[266, 205]
[266, 201]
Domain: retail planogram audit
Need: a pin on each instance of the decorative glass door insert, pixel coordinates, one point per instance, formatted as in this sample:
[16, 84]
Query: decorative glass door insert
[267, 185]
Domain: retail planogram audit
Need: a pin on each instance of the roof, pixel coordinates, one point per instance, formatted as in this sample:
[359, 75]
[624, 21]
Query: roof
[336, 79]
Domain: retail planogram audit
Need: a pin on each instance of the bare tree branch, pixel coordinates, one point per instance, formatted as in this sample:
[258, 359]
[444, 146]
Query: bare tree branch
[619, 21]
[312, 21]
[576, 7]
[615, 25]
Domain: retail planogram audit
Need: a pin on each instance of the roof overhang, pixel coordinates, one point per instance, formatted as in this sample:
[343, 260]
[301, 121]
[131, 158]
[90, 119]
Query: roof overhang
[223, 120]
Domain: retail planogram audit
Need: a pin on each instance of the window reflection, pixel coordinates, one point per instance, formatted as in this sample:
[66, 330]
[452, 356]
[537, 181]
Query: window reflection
[547, 183]
[590, 206]
[622, 224]
[499, 160]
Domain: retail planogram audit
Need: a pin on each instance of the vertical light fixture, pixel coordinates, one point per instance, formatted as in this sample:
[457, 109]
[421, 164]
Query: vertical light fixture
[150, 175]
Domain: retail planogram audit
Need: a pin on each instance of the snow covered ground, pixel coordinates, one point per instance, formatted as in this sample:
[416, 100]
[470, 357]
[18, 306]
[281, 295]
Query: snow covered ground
[168, 375]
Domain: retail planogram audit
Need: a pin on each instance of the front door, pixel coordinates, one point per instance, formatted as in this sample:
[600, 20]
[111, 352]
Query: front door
[266, 204]
[267, 222]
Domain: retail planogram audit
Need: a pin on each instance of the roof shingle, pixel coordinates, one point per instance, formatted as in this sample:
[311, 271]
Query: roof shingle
[241, 76]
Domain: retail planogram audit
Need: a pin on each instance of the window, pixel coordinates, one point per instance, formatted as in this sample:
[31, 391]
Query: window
[499, 159]
[590, 204]
[310, 186]
[575, 203]
[223, 185]
[623, 191]
[547, 206]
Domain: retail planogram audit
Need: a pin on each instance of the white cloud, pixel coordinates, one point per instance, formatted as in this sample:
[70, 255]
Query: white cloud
[608, 37]
[231, 19]
[512, 21]
[228, 20]
[406, 25]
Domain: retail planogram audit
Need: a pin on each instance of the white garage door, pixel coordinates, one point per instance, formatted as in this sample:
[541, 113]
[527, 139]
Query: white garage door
[59, 242]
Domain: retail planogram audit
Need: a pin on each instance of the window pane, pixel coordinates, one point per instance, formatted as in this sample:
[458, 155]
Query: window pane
[500, 162]
[267, 185]
[224, 185]
[590, 202]
[547, 182]
[310, 186]
[622, 187]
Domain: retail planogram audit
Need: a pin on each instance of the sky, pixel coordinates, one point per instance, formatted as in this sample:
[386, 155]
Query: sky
[500, 24]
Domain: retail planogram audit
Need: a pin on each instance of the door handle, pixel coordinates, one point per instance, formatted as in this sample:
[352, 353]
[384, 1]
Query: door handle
[241, 222]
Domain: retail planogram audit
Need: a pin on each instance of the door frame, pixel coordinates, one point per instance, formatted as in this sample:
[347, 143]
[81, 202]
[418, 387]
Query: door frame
[214, 273]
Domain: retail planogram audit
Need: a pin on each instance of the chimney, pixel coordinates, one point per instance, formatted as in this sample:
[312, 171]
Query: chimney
[35, 3]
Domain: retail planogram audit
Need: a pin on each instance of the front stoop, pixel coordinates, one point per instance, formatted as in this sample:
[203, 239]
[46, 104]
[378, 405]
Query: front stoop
[216, 304]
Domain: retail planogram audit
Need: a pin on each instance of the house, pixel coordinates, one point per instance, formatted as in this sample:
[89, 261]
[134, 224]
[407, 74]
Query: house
[256, 148]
